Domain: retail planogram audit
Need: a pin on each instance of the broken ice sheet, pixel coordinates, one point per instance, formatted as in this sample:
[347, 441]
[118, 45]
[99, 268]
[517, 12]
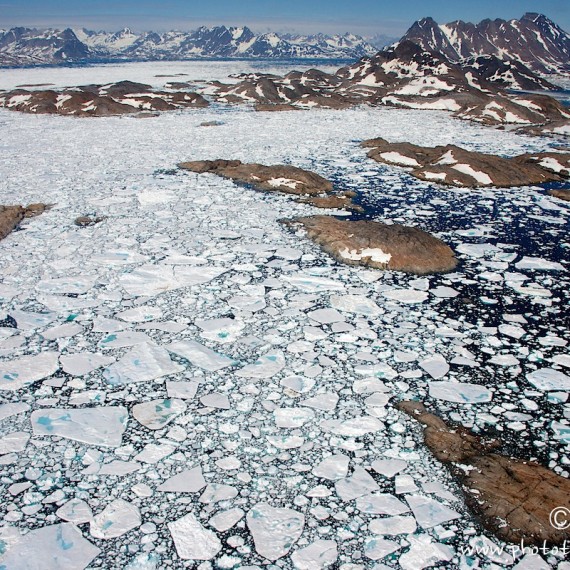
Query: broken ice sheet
[333, 467]
[183, 390]
[94, 426]
[393, 525]
[12, 409]
[292, 417]
[547, 379]
[381, 504]
[226, 519]
[436, 366]
[13, 442]
[265, 366]
[116, 519]
[20, 372]
[378, 548]
[54, 547]
[192, 540]
[67, 285]
[158, 413]
[319, 554]
[76, 511]
[459, 392]
[429, 512]
[83, 363]
[274, 530]
[358, 304]
[188, 481]
[143, 363]
[406, 296]
[153, 452]
[358, 484]
[223, 330]
[200, 355]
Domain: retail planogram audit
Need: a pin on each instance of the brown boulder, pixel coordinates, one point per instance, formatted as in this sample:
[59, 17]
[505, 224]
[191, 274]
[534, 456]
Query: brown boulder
[11, 216]
[382, 246]
[513, 498]
[85, 221]
[560, 194]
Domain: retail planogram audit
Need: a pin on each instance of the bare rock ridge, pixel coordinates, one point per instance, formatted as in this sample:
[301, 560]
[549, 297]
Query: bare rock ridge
[513, 498]
[561, 194]
[120, 98]
[11, 216]
[381, 246]
[533, 39]
[308, 186]
[456, 166]
[408, 76]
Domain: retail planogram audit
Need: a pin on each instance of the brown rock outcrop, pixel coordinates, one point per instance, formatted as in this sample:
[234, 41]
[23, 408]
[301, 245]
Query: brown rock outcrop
[455, 166]
[11, 216]
[513, 498]
[382, 246]
[560, 194]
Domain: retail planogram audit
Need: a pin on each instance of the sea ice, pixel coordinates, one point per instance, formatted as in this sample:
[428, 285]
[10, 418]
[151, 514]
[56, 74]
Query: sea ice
[459, 392]
[153, 452]
[18, 373]
[326, 401]
[358, 484]
[389, 467]
[116, 519]
[547, 379]
[14, 442]
[216, 492]
[200, 355]
[393, 525]
[326, 316]
[436, 366]
[94, 426]
[183, 390]
[188, 481]
[274, 530]
[192, 540]
[292, 417]
[12, 409]
[265, 366]
[226, 519]
[54, 547]
[333, 467]
[358, 304]
[83, 363]
[407, 296]
[76, 511]
[220, 330]
[158, 413]
[355, 427]
[143, 363]
[424, 553]
[377, 548]
[429, 512]
[539, 264]
[319, 554]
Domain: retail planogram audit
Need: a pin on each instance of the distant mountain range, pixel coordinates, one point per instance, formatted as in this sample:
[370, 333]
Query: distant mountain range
[534, 40]
[26, 46]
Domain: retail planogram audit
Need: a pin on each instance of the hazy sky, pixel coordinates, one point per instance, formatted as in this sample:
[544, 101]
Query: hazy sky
[365, 17]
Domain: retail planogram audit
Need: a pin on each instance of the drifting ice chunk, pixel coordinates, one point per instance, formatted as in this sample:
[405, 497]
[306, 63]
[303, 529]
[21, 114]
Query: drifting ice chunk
[381, 504]
[513, 331]
[292, 417]
[226, 519]
[183, 390]
[286, 441]
[407, 296]
[298, 384]
[477, 249]
[389, 467]
[561, 431]
[140, 314]
[143, 363]
[377, 548]
[117, 258]
[189, 481]
[192, 540]
[325, 402]
[11, 409]
[429, 512]
[355, 427]
[361, 483]
[358, 304]
[547, 379]
[220, 330]
[15, 374]
[83, 363]
[199, 355]
[326, 316]
[155, 279]
[444, 292]
[123, 339]
[158, 413]
[75, 511]
[436, 366]
[216, 492]
[118, 518]
[14, 442]
[459, 392]
[333, 467]
[66, 330]
[27, 320]
[274, 530]
[66, 285]
[320, 554]
[504, 360]
[313, 284]
[424, 553]
[55, 547]
[153, 453]
[94, 426]
[539, 264]
[393, 526]
[264, 367]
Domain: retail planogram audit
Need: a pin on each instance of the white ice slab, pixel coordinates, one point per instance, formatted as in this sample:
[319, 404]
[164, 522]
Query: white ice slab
[12, 409]
[94, 426]
[192, 540]
[116, 519]
[54, 547]
[355, 427]
[223, 330]
[381, 504]
[460, 392]
[200, 355]
[154, 452]
[313, 283]
[143, 363]
[158, 413]
[378, 548]
[76, 511]
[333, 467]
[188, 481]
[360, 483]
[326, 316]
[393, 525]
[436, 366]
[20, 372]
[424, 553]
[14, 442]
[226, 519]
[265, 366]
[539, 264]
[326, 402]
[183, 390]
[389, 467]
[547, 379]
[83, 363]
[429, 512]
[65, 285]
[406, 296]
[274, 530]
[319, 554]
[292, 417]
[358, 304]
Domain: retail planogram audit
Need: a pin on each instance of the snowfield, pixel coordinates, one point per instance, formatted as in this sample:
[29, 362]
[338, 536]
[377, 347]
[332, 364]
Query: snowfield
[190, 384]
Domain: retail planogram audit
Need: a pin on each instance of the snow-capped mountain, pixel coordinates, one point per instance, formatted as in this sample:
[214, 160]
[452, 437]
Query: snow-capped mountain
[25, 46]
[534, 40]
